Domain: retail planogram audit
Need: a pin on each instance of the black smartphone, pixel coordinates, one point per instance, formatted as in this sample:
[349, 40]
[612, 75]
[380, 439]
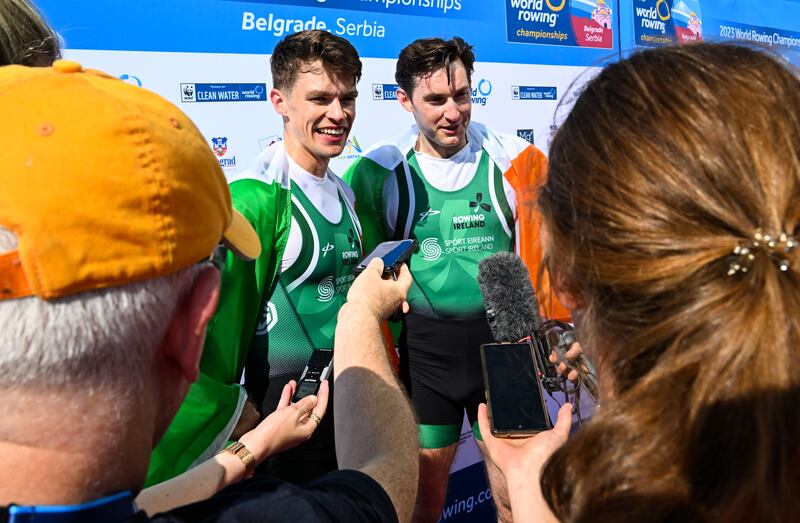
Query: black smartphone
[317, 369]
[394, 254]
[513, 390]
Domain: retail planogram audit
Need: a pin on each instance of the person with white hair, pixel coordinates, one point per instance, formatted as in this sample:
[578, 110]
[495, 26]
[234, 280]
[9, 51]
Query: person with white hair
[111, 205]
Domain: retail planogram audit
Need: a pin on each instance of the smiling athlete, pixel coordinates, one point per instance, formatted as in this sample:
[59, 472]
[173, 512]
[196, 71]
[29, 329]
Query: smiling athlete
[274, 312]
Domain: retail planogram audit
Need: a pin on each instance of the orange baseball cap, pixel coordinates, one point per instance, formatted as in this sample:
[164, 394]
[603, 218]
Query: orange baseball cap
[104, 183]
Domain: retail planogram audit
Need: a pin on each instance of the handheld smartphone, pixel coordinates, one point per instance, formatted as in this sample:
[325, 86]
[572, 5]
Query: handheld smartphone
[394, 254]
[317, 369]
[513, 392]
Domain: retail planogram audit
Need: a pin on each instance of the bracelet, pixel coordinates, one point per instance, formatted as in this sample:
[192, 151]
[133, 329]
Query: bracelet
[238, 449]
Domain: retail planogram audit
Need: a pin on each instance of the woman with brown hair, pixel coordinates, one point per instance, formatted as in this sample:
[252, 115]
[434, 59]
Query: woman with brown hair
[672, 209]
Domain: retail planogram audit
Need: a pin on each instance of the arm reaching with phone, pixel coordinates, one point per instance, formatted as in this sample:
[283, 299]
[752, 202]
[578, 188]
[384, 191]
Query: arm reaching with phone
[521, 461]
[375, 429]
[289, 425]
[393, 253]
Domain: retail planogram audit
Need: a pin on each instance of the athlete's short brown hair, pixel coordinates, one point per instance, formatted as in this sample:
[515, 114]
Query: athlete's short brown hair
[421, 58]
[297, 51]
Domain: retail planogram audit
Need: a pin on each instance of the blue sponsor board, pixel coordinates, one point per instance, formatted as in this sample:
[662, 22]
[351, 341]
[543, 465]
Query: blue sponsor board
[194, 92]
[786, 40]
[534, 92]
[687, 21]
[511, 31]
[534, 21]
[661, 22]
[653, 23]
[469, 497]
[583, 23]
[429, 8]
[377, 28]
[384, 91]
[280, 26]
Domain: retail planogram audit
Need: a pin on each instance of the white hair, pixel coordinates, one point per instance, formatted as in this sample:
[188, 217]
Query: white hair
[97, 340]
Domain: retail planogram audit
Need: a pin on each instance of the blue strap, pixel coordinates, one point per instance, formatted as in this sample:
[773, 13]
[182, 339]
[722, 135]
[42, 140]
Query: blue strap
[117, 507]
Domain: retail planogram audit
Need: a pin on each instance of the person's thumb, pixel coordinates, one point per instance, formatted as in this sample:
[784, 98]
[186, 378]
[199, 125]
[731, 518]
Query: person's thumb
[563, 422]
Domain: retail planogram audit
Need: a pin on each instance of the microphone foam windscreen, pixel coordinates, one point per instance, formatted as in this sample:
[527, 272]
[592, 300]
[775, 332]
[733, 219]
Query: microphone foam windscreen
[508, 295]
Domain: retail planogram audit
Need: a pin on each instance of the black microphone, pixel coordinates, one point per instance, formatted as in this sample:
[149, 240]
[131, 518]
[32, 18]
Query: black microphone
[511, 306]
[512, 311]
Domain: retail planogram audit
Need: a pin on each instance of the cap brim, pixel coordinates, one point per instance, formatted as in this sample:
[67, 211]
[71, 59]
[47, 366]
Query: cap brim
[241, 238]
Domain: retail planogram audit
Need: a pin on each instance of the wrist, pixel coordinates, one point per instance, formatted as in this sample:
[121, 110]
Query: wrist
[239, 450]
[528, 470]
[358, 311]
[233, 469]
[260, 452]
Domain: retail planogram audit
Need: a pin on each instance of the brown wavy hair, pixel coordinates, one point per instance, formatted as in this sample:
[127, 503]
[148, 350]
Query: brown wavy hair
[296, 52]
[424, 56]
[668, 161]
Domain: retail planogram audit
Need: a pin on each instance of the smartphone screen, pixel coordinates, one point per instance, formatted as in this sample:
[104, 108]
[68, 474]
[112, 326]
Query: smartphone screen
[514, 397]
[316, 370]
[394, 253]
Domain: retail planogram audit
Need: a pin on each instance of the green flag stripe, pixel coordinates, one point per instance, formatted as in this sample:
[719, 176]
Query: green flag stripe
[499, 199]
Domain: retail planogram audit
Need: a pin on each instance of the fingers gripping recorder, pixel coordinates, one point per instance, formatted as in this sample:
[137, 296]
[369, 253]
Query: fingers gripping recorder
[513, 315]
[393, 253]
[317, 370]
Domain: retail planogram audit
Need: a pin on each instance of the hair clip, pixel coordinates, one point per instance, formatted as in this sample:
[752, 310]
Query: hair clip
[776, 247]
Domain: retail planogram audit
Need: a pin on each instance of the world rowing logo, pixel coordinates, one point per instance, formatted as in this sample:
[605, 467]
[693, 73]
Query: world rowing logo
[326, 289]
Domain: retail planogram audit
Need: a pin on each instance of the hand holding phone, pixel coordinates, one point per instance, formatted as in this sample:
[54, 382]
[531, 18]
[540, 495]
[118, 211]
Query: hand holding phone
[289, 425]
[317, 369]
[393, 253]
[375, 296]
[513, 391]
[521, 459]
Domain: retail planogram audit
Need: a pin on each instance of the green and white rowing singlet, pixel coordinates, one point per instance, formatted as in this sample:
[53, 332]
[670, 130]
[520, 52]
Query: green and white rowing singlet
[316, 273]
[455, 230]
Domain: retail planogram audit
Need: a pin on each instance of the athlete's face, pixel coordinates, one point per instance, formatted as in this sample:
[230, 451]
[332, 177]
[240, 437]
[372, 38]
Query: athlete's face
[318, 113]
[442, 110]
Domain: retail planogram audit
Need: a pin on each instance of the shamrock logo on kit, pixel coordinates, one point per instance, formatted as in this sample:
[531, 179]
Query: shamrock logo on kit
[477, 205]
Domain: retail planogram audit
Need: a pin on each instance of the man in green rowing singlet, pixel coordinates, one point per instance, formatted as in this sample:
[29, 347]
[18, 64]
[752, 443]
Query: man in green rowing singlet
[274, 312]
[463, 192]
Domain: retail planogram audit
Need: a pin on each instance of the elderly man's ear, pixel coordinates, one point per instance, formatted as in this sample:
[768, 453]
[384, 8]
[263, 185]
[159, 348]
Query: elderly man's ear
[183, 343]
